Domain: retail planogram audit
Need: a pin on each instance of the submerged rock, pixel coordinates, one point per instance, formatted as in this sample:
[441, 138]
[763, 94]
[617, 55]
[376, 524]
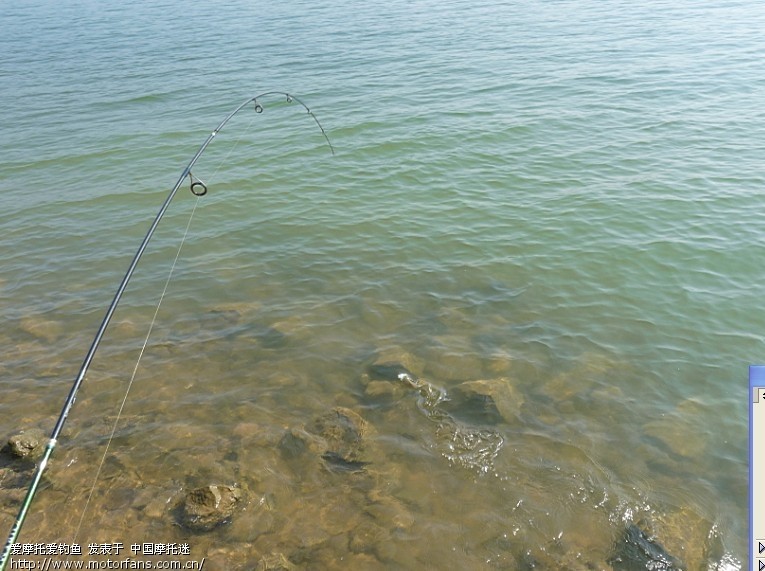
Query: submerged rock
[275, 562]
[635, 551]
[489, 401]
[237, 309]
[368, 537]
[294, 443]
[14, 483]
[40, 328]
[388, 511]
[27, 443]
[344, 431]
[270, 337]
[337, 463]
[689, 536]
[397, 357]
[208, 507]
[381, 380]
[682, 430]
[382, 389]
[335, 439]
[387, 371]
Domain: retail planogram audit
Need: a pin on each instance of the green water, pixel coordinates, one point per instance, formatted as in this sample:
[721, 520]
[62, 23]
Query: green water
[560, 199]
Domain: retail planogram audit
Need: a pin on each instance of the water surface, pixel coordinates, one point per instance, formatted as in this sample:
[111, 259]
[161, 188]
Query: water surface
[559, 199]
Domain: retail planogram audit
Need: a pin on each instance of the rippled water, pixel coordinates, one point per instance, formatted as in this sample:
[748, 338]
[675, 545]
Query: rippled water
[545, 213]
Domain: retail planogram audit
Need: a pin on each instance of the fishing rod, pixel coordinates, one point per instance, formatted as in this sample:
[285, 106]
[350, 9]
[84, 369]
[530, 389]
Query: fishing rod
[198, 188]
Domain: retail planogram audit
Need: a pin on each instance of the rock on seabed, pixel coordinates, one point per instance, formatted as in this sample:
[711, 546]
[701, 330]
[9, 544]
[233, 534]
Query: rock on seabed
[208, 507]
[27, 443]
[492, 401]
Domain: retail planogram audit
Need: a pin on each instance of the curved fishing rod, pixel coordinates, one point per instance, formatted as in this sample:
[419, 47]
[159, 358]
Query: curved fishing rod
[198, 188]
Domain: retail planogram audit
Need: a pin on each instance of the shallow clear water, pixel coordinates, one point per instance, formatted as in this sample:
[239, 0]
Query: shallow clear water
[560, 199]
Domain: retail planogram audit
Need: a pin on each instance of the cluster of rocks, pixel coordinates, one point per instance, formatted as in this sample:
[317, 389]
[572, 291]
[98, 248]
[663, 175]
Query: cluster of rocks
[487, 402]
[341, 507]
[483, 401]
[464, 418]
[336, 462]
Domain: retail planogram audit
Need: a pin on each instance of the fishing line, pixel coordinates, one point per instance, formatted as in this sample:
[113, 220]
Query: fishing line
[137, 364]
[199, 192]
[198, 188]
[135, 371]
